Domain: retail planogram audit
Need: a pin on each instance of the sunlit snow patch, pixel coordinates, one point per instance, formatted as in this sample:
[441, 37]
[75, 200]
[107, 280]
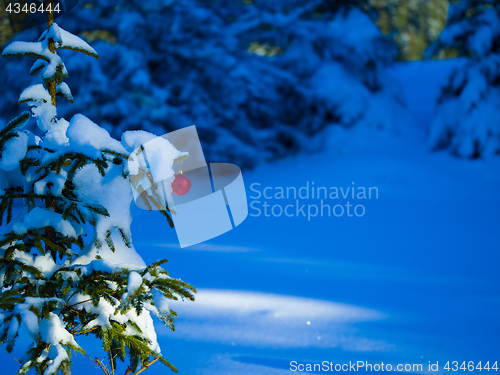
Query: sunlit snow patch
[273, 320]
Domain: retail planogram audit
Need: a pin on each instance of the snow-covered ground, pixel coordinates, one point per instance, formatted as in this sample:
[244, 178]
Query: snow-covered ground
[415, 279]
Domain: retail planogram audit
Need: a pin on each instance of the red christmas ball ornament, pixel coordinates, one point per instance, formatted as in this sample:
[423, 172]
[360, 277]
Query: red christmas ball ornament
[181, 185]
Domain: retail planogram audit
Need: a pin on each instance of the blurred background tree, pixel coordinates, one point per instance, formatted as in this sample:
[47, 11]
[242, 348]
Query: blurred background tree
[413, 23]
[5, 30]
[466, 119]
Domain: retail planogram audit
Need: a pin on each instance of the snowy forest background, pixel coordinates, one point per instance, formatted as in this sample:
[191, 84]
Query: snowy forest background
[404, 95]
[262, 80]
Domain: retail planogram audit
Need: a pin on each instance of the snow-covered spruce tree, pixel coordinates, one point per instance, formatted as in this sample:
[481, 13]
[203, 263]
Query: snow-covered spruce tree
[467, 113]
[67, 264]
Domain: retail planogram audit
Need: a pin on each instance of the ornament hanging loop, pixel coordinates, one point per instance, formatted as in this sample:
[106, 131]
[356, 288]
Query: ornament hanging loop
[180, 167]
